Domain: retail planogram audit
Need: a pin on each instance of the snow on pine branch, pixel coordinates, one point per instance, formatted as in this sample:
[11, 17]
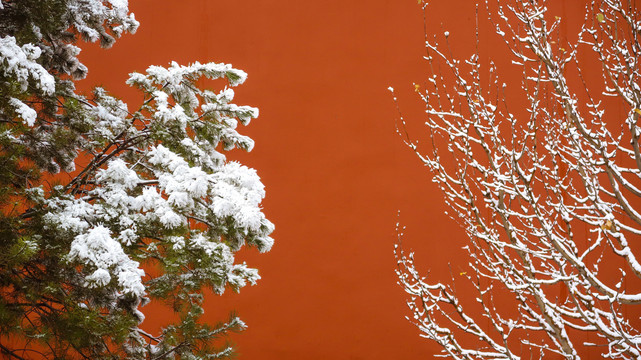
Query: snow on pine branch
[157, 189]
[20, 63]
[99, 20]
[149, 208]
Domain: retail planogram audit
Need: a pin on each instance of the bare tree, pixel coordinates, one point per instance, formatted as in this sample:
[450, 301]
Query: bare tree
[545, 179]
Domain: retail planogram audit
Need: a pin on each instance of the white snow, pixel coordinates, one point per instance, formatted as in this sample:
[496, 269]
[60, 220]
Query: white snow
[28, 114]
[20, 64]
[97, 249]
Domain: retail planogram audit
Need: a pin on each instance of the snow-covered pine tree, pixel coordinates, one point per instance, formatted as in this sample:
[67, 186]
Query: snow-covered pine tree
[144, 189]
[544, 176]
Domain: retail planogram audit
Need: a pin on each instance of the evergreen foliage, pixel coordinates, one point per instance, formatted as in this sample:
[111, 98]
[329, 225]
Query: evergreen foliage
[148, 189]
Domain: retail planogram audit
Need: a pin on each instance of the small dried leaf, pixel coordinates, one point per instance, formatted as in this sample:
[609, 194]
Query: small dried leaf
[607, 225]
[600, 17]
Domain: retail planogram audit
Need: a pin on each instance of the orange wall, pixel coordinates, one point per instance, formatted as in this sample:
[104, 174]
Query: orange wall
[326, 149]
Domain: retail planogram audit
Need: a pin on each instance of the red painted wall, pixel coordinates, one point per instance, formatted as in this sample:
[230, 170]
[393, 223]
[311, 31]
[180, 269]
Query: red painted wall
[335, 171]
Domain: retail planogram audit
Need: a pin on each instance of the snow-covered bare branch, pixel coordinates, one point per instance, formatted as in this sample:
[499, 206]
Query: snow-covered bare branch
[546, 182]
